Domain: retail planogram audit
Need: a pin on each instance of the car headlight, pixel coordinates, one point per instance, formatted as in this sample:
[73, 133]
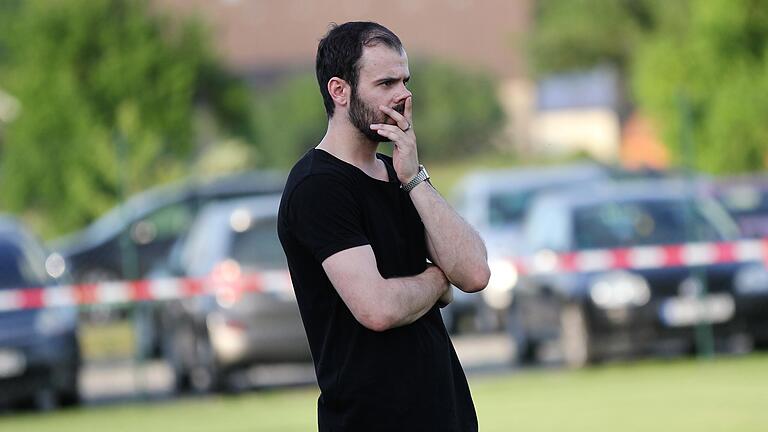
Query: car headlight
[498, 293]
[55, 265]
[619, 289]
[752, 279]
[56, 320]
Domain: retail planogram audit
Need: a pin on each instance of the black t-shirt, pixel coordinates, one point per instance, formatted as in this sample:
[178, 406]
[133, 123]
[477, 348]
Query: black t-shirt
[403, 379]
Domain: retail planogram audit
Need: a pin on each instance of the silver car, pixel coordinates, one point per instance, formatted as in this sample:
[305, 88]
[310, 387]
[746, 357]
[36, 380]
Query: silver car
[248, 313]
[494, 202]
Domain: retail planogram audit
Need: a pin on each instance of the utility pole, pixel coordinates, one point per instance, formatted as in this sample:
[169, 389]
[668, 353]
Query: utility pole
[704, 337]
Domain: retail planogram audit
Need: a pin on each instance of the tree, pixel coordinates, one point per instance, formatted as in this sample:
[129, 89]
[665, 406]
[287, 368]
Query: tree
[456, 113]
[709, 56]
[714, 57]
[109, 92]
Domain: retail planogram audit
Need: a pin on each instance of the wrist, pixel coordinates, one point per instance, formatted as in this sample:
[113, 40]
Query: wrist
[421, 176]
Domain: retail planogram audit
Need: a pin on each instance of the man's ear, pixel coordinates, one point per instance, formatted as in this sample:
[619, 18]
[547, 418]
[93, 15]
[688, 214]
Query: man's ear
[340, 91]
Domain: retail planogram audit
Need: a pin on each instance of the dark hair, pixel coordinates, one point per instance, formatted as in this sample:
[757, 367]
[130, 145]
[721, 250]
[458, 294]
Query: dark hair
[339, 52]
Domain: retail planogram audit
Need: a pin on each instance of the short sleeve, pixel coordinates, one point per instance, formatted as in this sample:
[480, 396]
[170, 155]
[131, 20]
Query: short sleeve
[324, 217]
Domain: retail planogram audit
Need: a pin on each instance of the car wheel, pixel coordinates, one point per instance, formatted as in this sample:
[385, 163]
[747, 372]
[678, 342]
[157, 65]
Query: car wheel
[575, 338]
[204, 373]
[45, 400]
[69, 396]
[526, 349]
[178, 351]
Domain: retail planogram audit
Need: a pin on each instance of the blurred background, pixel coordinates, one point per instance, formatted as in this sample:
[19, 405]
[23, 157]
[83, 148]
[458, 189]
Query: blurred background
[612, 154]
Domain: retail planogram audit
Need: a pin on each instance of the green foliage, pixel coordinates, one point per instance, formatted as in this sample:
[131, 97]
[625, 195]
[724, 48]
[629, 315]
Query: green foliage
[456, 113]
[714, 54]
[109, 94]
[578, 34]
[290, 119]
[709, 55]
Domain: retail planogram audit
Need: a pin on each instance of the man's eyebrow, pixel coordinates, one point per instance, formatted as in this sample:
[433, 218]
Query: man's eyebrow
[391, 78]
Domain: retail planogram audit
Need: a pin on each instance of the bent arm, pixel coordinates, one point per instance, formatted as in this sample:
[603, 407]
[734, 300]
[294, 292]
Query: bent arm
[451, 242]
[377, 303]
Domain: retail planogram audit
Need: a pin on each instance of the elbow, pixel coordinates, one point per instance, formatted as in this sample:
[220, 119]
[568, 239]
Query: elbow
[378, 326]
[477, 278]
[377, 321]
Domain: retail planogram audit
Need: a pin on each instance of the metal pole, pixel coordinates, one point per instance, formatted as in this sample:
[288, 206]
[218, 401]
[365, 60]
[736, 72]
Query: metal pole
[704, 337]
[130, 266]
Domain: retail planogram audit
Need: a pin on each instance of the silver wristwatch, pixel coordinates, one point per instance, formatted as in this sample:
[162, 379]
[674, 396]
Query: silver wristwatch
[421, 176]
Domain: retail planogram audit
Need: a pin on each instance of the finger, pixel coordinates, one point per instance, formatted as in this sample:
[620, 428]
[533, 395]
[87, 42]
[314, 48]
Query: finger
[388, 127]
[389, 134]
[401, 121]
[408, 112]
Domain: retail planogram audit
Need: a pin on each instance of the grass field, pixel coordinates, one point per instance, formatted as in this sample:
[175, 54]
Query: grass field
[727, 394]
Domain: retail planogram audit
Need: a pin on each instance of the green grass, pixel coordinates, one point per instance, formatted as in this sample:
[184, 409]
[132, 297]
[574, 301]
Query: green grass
[727, 394]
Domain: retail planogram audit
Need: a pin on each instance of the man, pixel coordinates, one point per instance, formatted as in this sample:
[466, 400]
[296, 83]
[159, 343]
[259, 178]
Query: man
[357, 228]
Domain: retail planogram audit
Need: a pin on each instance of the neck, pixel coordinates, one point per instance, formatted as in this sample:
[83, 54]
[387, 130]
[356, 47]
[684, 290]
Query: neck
[346, 142]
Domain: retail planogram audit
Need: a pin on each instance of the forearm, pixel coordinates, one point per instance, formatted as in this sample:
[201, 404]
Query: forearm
[453, 244]
[408, 298]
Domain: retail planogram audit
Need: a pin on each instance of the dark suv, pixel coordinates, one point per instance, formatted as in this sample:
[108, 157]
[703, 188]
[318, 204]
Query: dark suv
[39, 349]
[646, 305]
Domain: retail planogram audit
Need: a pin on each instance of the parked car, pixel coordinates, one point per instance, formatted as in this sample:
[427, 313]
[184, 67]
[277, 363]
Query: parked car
[746, 199]
[39, 349]
[206, 338]
[494, 202]
[133, 237]
[596, 315]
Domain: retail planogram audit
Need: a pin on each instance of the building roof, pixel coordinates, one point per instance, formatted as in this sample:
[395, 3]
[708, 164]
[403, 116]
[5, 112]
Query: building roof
[264, 35]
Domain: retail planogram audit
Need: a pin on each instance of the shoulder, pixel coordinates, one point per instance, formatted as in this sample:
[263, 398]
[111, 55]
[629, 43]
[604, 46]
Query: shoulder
[318, 192]
[315, 168]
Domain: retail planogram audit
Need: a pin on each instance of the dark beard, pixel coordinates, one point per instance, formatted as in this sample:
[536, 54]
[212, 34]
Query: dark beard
[362, 117]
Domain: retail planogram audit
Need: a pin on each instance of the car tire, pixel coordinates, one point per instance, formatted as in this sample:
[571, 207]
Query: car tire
[575, 337]
[69, 396]
[526, 349]
[205, 375]
[178, 350]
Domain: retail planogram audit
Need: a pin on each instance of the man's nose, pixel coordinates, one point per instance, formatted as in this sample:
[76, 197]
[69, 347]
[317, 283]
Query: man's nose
[404, 94]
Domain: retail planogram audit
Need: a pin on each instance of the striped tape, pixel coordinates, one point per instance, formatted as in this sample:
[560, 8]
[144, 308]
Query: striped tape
[279, 283]
[644, 258]
[272, 282]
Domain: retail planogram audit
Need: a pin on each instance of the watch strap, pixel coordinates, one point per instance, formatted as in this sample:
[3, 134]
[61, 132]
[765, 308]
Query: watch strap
[421, 176]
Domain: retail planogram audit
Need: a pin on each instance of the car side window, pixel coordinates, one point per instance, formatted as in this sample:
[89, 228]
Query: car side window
[508, 207]
[165, 223]
[259, 246]
[546, 227]
[20, 268]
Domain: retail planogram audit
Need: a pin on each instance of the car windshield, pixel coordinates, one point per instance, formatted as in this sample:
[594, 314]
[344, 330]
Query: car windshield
[508, 208]
[259, 247]
[16, 269]
[627, 224]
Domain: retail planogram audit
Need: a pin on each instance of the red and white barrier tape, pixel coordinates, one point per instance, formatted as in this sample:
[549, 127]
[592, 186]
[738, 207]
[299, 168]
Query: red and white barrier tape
[279, 283]
[273, 282]
[645, 257]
